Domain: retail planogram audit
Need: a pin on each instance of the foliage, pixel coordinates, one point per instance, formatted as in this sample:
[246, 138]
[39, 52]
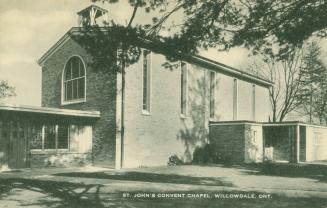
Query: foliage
[260, 25]
[313, 93]
[206, 154]
[106, 44]
[269, 27]
[6, 90]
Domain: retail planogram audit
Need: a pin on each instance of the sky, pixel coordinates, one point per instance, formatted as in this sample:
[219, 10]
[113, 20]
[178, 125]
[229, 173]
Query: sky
[30, 27]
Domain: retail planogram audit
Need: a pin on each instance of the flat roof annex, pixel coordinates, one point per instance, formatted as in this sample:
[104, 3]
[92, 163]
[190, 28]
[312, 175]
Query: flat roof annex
[49, 111]
[194, 58]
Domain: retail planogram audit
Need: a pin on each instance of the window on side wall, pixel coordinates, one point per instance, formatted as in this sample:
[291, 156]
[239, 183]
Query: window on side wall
[235, 99]
[183, 89]
[212, 94]
[74, 80]
[146, 81]
[50, 137]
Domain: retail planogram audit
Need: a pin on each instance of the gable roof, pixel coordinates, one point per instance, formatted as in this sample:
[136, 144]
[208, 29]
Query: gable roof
[193, 58]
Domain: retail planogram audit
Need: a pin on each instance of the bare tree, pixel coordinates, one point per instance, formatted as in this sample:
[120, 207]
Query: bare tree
[285, 75]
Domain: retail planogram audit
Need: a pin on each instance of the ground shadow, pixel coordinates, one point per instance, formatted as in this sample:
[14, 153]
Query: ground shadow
[54, 193]
[59, 194]
[152, 177]
[310, 171]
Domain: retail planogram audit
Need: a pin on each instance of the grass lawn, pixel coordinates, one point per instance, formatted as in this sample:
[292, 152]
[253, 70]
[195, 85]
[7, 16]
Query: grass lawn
[161, 187]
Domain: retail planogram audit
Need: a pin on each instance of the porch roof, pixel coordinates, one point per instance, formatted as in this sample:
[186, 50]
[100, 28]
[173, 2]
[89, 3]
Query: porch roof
[49, 111]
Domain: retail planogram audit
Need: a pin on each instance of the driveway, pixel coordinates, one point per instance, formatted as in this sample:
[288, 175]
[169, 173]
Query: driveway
[271, 185]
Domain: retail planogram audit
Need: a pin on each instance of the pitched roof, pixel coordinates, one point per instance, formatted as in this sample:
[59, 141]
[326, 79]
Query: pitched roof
[194, 58]
[85, 11]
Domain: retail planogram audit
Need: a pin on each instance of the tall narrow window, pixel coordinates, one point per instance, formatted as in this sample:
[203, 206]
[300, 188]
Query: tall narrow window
[146, 80]
[253, 102]
[183, 88]
[235, 99]
[212, 94]
[74, 80]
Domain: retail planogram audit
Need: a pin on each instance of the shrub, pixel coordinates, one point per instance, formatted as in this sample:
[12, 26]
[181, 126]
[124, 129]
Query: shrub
[205, 155]
[174, 160]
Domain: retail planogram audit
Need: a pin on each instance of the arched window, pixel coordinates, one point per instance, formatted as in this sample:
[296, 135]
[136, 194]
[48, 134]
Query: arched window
[74, 80]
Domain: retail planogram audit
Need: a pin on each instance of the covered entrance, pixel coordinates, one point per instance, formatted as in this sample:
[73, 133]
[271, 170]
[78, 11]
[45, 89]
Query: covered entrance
[295, 142]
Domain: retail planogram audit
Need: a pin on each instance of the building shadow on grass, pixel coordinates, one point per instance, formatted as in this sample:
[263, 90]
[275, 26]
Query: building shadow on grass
[59, 194]
[311, 171]
[151, 177]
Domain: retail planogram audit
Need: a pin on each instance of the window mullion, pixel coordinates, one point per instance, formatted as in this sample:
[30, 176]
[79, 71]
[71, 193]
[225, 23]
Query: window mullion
[71, 69]
[56, 136]
[66, 91]
[42, 136]
[77, 89]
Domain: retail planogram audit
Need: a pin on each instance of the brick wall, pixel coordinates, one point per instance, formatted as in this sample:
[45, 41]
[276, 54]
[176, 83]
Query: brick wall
[228, 141]
[151, 138]
[237, 142]
[100, 96]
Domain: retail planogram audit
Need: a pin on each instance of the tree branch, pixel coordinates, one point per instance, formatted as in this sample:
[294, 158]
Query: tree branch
[133, 14]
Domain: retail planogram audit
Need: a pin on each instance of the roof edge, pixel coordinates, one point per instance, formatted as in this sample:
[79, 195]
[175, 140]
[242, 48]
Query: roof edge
[232, 70]
[53, 48]
[46, 110]
[196, 58]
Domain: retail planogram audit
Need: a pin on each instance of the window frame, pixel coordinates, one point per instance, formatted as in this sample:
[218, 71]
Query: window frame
[184, 115]
[63, 87]
[254, 89]
[235, 99]
[56, 149]
[149, 83]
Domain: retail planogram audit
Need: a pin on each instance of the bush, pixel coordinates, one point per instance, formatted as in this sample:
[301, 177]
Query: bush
[205, 155]
[174, 160]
